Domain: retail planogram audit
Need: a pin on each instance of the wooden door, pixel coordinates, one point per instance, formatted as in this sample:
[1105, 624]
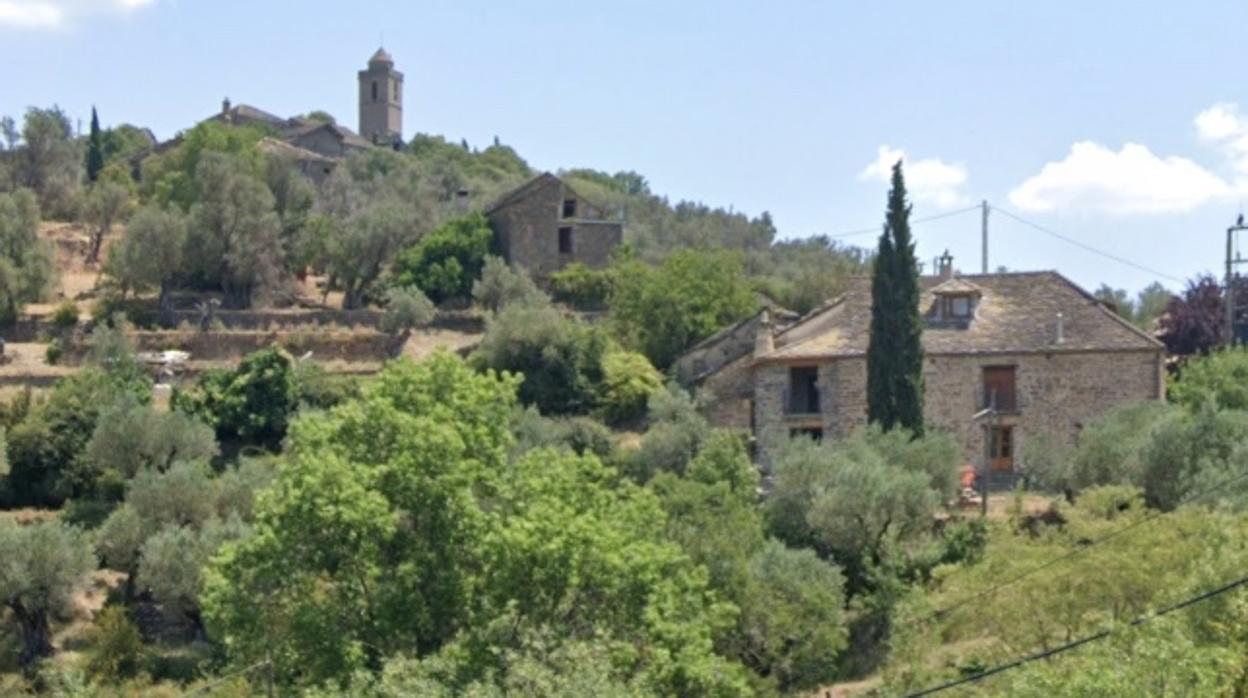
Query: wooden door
[1001, 449]
[999, 388]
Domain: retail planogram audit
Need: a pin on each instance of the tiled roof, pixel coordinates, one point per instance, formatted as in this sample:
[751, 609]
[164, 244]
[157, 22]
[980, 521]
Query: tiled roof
[343, 133]
[1016, 314]
[521, 191]
[956, 286]
[381, 57]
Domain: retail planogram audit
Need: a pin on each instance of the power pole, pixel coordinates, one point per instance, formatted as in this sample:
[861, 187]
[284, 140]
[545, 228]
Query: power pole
[1228, 323]
[984, 232]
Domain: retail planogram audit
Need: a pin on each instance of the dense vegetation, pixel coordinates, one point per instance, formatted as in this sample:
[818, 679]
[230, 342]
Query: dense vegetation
[549, 515]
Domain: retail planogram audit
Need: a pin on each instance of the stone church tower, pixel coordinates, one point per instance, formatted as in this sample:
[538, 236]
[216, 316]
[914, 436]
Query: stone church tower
[381, 101]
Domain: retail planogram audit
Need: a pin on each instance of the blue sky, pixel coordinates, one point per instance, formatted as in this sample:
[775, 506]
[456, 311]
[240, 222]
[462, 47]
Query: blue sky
[1114, 123]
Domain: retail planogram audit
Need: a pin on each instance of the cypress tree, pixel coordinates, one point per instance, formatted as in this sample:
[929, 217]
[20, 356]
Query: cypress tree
[895, 349]
[95, 148]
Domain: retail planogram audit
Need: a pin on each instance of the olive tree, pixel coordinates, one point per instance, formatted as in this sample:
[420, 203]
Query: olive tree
[41, 567]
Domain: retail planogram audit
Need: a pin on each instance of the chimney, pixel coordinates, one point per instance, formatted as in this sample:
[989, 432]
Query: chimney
[944, 266]
[764, 342]
[225, 107]
[1060, 330]
[461, 201]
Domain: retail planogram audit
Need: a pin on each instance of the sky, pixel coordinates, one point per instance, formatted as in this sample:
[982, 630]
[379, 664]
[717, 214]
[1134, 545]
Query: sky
[1114, 124]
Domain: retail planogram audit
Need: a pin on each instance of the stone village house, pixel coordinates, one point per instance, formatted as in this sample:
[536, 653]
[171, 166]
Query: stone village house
[1044, 354]
[543, 226]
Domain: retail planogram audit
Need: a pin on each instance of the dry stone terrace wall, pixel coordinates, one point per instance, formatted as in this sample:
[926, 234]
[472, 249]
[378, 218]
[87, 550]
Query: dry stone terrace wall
[230, 345]
[1057, 394]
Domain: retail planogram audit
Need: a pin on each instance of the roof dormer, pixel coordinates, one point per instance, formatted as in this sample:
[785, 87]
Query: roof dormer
[955, 302]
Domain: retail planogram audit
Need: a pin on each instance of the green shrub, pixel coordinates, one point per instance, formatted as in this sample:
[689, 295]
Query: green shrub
[628, 381]
[446, 260]
[54, 352]
[65, 315]
[581, 287]
[406, 309]
[252, 402]
[116, 647]
[1220, 378]
[560, 358]
[500, 285]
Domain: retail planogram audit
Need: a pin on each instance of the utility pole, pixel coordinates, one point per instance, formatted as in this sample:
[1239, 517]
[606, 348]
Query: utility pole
[1228, 323]
[984, 232]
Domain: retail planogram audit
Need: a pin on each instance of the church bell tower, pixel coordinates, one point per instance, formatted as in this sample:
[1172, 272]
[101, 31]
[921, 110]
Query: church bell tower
[381, 101]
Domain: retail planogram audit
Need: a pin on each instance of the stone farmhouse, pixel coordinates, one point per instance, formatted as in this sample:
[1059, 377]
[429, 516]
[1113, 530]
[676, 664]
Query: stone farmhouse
[544, 225]
[1009, 358]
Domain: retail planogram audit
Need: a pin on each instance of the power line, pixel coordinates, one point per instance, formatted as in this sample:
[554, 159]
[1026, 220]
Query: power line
[1152, 516]
[916, 221]
[1081, 641]
[1089, 248]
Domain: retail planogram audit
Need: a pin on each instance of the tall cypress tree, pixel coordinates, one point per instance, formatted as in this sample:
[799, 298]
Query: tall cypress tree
[895, 349]
[95, 148]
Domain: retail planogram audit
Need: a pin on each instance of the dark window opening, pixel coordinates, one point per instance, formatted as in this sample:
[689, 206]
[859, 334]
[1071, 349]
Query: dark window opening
[999, 388]
[374, 90]
[803, 397]
[565, 241]
[1001, 448]
[813, 433]
[569, 208]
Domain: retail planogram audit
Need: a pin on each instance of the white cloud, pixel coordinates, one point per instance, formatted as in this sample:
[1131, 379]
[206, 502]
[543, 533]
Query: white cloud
[50, 14]
[1223, 126]
[1132, 180]
[930, 180]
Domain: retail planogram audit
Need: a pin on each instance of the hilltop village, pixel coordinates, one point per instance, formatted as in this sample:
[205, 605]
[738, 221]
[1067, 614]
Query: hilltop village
[291, 408]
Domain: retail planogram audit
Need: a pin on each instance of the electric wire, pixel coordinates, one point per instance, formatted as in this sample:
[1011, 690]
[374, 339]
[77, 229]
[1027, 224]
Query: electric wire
[1082, 245]
[1014, 664]
[1152, 516]
[926, 219]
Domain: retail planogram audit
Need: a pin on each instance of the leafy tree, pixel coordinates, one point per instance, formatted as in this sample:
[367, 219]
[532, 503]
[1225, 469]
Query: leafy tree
[1192, 323]
[171, 564]
[895, 348]
[395, 526]
[448, 259]
[661, 311]
[45, 449]
[252, 402]
[130, 437]
[1150, 303]
[171, 178]
[675, 432]
[861, 500]
[116, 646]
[1220, 378]
[628, 381]
[559, 358]
[26, 266]
[581, 435]
[294, 198]
[365, 243]
[806, 273]
[151, 253]
[234, 238]
[50, 160]
[581, 287]
[95, 149]
[106, 203]
[44, 564]
[500, 285]
[406, 309]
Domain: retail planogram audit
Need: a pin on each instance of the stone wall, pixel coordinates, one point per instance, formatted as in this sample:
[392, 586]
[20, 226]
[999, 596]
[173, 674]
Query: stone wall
[717, 350]
[1057, 394]
[728, 395]
[527, 231]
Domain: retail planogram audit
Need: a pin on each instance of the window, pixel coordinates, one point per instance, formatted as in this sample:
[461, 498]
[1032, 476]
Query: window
[813, 433]
[960, 306]
[374, 90]
[569, 208]
[803, 397]
[565, 240]
[999, 388]
[1001, 448]
[395, 91]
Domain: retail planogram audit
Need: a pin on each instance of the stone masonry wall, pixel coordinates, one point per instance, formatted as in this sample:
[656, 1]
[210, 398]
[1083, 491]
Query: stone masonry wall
[527, 232]
[1057, 394]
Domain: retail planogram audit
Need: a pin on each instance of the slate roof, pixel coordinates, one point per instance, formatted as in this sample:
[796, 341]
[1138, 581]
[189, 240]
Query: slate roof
[381, 57]
[343, 133]
[272, 146]
[1016, 314]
